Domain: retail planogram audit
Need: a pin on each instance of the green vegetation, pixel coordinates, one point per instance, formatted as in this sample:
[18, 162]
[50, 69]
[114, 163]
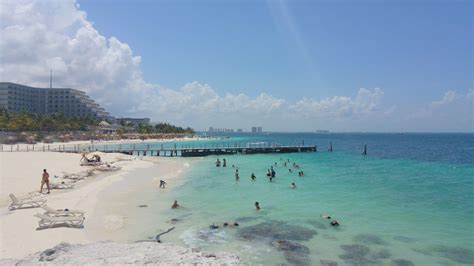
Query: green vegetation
[164, 128]
[42, 122]
[59, 122]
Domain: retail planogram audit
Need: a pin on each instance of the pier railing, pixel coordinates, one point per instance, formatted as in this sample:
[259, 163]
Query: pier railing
[167, 149]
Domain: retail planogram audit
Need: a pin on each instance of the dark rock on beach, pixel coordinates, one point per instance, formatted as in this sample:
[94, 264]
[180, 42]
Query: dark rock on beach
[456, 254]
[295, 253]
[402, 262]
[356, 254]
[369, 239]
[275, 230]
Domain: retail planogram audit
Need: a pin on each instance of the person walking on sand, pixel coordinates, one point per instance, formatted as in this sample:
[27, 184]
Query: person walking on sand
[45, 180]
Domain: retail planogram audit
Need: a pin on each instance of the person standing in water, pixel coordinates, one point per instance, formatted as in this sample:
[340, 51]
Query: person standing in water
[175, 205]
[237, 175]
[224, 163]
[257, 206]
[293, 185]
[45, 180]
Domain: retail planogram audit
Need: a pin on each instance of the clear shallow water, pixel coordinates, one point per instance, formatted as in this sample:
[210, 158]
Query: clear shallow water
[411, 198]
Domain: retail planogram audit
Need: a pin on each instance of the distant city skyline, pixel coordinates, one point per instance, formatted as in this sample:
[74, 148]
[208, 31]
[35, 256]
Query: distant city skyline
[299, 66]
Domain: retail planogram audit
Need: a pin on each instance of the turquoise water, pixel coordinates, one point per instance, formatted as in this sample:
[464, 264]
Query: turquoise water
[410, 200]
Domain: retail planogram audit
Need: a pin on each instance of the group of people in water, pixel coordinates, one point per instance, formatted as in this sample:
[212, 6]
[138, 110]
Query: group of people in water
[271, 174]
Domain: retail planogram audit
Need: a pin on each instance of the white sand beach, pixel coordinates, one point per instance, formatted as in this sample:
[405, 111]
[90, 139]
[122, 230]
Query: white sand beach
[20, 174]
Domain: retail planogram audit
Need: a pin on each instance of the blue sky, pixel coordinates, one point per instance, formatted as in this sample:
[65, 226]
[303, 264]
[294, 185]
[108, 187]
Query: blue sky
[414, 51]
[285, 65]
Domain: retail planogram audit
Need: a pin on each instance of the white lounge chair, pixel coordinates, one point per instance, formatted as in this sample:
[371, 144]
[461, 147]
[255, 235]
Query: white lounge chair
[19, 204]
[57, 213]
[50, 221]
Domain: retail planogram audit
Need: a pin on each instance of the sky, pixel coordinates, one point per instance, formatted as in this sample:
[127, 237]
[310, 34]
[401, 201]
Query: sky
[370, 65]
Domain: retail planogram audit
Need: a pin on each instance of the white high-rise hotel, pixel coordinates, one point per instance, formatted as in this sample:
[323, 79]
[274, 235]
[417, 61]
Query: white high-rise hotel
[17, 98]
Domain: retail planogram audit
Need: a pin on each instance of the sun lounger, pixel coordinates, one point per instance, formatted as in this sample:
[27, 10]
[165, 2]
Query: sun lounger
[52, 212]
[61, 186]
[21, 204]
[50, 221]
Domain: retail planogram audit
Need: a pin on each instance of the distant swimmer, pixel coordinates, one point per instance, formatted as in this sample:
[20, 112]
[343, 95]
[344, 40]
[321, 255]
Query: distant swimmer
[289, 170]
[253, 177]
[334, 223]
[293, 185]
[269, 173]
[234, 224]
[175, 205]
[276, 164]
[233, 166]
[218, 163]
[224, 163]
[273, 173]
[213, 226]
[257, 206]
[325, 216]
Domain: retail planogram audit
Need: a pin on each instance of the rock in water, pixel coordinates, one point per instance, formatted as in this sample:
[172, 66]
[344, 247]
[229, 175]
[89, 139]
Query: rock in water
[404, 239]
[275, 230]
[369, 239]
[328, 263]
[356, 254]
[401, 262]
[456, 254]
[101, 253]
[294, 252]
[382, 254]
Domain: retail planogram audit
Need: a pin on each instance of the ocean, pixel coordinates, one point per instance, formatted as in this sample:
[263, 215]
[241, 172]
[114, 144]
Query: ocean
[409, 201]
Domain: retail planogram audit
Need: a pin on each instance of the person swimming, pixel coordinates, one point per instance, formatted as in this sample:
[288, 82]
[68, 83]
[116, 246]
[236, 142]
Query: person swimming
[273, 173]
[257, 206]
[234, 224]
[213, 226]
[289, 170]
[175, 205]
[293, 185]
[335, 223]
[237, 175]
[325, 216]
[253, 177]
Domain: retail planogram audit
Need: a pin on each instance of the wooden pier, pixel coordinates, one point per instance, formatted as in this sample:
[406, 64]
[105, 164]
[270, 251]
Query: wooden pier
[200, 152]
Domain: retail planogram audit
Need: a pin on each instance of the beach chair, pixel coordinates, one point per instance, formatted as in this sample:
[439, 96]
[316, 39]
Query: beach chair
[50, 221]
[57, 213]
[22, 204]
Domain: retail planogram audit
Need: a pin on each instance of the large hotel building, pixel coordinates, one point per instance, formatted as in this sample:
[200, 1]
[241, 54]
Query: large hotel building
[16, 98]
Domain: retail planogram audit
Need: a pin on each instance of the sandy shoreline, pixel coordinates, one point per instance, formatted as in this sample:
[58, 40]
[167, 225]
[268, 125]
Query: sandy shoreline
[55, 145]
[21, 174]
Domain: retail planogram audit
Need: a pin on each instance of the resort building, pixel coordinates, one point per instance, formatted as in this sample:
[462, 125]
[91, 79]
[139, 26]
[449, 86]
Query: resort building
[17, 98]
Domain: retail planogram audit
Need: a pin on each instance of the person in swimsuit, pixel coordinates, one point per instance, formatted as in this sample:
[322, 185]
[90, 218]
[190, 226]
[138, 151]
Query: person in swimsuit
[253, 177]
[257, 205]
[175, 205]
[45, 180]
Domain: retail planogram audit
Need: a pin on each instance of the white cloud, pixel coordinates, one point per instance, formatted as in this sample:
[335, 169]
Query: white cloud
[448, 98]
[363, 104]
[37, 35]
